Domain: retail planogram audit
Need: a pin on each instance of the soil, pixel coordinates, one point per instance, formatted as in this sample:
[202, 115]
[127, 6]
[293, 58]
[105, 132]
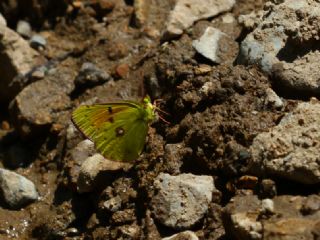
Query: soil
[214, 112]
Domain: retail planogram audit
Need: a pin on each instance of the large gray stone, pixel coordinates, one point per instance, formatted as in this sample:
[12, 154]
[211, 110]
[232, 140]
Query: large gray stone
[17, 58]
[181, 201]
[284, 44]
[45, 102]
[291, 149]
[17, 190]
[92, 167]
[38, 106]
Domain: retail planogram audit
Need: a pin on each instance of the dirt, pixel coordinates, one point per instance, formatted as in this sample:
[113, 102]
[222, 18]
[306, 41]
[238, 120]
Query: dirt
[214, 113]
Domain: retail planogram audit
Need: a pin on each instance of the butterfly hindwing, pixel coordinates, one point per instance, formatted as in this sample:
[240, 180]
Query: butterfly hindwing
[117, 129]
[124, 140]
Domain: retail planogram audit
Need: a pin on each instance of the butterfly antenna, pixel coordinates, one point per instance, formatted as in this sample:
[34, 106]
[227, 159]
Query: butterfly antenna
[158, 109]
[165, 121]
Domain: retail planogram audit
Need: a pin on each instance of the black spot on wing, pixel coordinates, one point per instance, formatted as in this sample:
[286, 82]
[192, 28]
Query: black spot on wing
[111, 120]
[119, 131]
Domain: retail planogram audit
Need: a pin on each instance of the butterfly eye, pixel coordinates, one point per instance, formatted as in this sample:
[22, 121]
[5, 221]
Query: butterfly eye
[119, 131]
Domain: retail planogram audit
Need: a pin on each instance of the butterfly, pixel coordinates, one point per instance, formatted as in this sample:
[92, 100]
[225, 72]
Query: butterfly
[117, 129]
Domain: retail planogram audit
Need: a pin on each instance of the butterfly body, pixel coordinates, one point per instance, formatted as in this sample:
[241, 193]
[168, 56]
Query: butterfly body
[117, 129]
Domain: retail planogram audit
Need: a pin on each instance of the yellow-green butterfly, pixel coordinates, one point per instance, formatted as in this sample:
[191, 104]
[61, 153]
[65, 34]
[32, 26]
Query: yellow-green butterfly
[117, 129]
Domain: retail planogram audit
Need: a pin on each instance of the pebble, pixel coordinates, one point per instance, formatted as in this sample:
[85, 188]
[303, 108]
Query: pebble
[210, 45]
[207, 45]
[24, 29]
[311, 205]
[90, 169]
[5, 125]
[267, 205]
[131, 231]
[38, 42]
[113, 204]
[90, 75]
[17, 190]
[122, 70]
[186, 12]
[202, 69]
[268, 188]
[241, 215]
[182, 200]
[272, 99]
[186, 235]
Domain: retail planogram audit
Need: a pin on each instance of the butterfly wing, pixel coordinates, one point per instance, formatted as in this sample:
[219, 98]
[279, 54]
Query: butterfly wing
[117, 129]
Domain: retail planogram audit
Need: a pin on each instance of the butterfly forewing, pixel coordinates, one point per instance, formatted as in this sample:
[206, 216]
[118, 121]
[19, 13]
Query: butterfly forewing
[117, 129]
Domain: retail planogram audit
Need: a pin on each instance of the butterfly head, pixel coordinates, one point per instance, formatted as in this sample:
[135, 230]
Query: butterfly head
[150, 109]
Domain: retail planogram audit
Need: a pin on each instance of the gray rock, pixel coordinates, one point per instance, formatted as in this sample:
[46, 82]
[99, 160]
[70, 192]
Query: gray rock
[24, 29]
[37, 106]
[245, 217]
[186, 12]
[241, 218]
[15, 62]
[267, 205]
[3, 20]
[181, 201]
[38, 42]
[141, 10]
[83, 150]
[283, 44]
[268, 188]
[90, 75]
[130, 231]
[250, 228]
[290, 149]
[17, 190]
[311, 205]
[211, 45]
[113, 204]
[92, 166]
[77, 155]
[186, 235]
[272, 99]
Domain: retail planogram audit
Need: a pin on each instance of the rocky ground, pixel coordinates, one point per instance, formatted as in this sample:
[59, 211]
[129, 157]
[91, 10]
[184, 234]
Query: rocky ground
[239, 79]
